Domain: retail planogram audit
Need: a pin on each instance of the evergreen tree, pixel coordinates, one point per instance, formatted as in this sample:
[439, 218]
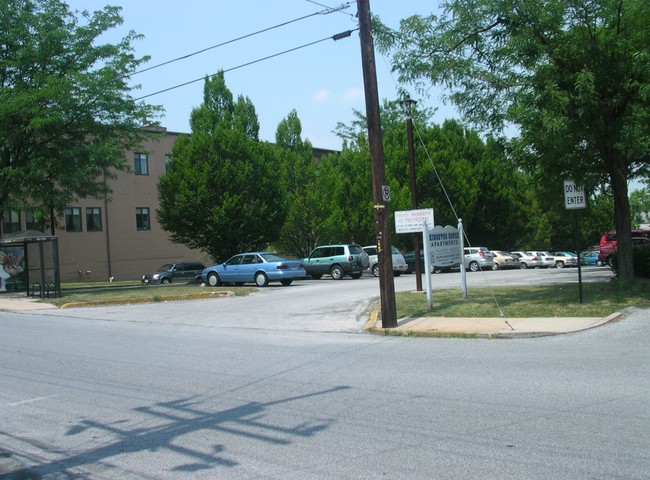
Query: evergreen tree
[223, 193]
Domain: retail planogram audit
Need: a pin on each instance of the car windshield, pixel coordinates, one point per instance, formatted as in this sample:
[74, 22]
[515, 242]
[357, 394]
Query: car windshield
[272, 257]
[394, 249]
[165, 268]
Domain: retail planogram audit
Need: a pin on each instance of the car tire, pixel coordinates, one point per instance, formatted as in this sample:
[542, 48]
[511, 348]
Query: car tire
[524, 265]
[559, 264]
[474, 266]
[495, 266]
[261, 280]
[166, 280]
[286, 283]
[337, 272]
[214, 280]
[375, 269]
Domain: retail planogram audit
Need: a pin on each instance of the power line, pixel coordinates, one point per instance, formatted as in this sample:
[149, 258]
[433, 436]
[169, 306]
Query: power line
[327, 11]
[333, 37]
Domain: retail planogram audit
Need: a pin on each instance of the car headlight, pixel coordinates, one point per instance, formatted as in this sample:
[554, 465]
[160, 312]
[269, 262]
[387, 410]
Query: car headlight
[155, 276]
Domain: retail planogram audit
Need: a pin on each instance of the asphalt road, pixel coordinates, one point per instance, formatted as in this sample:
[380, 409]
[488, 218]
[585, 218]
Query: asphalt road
[195, 390]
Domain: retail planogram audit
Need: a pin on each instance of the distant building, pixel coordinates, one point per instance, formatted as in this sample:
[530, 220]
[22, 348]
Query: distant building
[118, 237]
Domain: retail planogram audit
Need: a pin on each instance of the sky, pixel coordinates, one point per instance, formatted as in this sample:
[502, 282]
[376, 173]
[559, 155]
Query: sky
[322, 82]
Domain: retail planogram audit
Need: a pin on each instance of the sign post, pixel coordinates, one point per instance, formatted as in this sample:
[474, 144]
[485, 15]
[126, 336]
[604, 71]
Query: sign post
[574, 199]
[415, 221]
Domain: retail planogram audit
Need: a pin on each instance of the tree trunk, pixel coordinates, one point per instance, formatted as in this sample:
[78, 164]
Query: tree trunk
[623, 223]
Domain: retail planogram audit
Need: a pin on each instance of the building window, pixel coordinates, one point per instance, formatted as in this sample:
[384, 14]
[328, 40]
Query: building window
[73, 219]
[168, 160]
[31, 223]
[141, 163]
[10, 221]
[93, 219]
[142, 220]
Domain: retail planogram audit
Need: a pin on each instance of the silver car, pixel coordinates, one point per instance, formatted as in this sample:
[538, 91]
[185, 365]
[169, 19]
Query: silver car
[478, 258]
[530, 259]
[399, 263]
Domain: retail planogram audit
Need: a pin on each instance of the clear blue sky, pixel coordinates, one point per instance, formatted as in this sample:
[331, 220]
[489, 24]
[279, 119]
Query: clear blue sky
[323, 82]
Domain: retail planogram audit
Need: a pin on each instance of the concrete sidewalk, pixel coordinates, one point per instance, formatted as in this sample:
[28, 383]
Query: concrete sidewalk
[490, 327]
[20, 302]
[431, 326]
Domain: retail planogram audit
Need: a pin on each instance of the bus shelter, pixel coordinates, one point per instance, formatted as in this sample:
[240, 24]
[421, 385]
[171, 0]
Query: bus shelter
[29, 262]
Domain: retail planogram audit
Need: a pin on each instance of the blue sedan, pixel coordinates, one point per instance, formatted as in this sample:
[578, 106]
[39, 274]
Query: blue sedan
[589, 258]
[254, 267]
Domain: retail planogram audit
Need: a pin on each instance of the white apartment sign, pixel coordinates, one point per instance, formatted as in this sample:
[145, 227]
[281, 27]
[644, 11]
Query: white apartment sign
[444, 244]
[574, 195]
[412, 221]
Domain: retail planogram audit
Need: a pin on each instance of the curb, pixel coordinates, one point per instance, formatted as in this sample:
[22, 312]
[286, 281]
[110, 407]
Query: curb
[133, 301]
[371, 327]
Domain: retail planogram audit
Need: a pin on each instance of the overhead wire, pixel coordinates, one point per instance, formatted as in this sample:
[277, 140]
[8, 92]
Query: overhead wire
[333, 37]
[327, 11]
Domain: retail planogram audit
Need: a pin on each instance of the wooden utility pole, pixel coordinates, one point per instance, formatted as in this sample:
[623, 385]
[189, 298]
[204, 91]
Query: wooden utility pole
[380, 191]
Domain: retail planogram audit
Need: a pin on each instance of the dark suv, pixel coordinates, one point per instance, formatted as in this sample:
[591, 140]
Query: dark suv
[336, 260]
[175, 272]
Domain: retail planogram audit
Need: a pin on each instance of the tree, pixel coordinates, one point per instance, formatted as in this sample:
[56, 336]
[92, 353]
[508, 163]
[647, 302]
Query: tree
[640, 205]
[454, 166]
[302, 229]
[223, 193]
[66, 113]
[572, 75]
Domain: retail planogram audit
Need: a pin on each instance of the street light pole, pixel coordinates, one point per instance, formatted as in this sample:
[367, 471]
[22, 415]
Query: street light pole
[380, 192]
[407, 104]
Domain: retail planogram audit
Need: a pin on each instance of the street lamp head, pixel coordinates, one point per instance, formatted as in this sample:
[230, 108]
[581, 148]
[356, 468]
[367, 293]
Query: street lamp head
[407, 104]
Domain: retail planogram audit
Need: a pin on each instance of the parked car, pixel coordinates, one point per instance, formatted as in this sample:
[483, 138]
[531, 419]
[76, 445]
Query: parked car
[174, 272]
[608, 243]
[529, 259]
[254, 267]
[590, 258]
[565, 259]
[504, 260]
[399, 263]
[336, 260]
[548, 260]
[478, 258]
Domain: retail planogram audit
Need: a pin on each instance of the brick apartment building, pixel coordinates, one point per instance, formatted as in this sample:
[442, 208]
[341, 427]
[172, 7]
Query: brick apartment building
[118, 237]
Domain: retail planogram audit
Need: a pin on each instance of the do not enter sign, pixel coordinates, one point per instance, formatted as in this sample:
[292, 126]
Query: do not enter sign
[574, 195]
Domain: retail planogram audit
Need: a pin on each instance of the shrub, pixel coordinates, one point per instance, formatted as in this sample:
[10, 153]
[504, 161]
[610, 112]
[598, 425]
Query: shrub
[640, 261]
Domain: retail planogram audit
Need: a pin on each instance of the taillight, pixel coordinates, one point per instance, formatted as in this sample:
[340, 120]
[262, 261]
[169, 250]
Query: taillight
[480, 253]
[535, 259]
[282, 267]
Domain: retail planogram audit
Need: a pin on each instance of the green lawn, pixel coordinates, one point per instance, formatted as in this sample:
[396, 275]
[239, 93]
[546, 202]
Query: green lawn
[599, 299]
[78, 294]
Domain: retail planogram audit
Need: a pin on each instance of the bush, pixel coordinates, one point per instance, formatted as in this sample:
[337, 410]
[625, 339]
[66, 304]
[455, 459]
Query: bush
[640, 261]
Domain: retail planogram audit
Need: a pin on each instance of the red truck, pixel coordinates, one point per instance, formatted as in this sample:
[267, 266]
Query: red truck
[608, 243]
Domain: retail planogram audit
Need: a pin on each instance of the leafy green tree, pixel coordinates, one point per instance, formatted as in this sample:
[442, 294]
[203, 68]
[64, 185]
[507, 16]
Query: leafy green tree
[454, 170]
[572, 75]
[640, 204]
[302, 229]
[66, 110]
[222, 194]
